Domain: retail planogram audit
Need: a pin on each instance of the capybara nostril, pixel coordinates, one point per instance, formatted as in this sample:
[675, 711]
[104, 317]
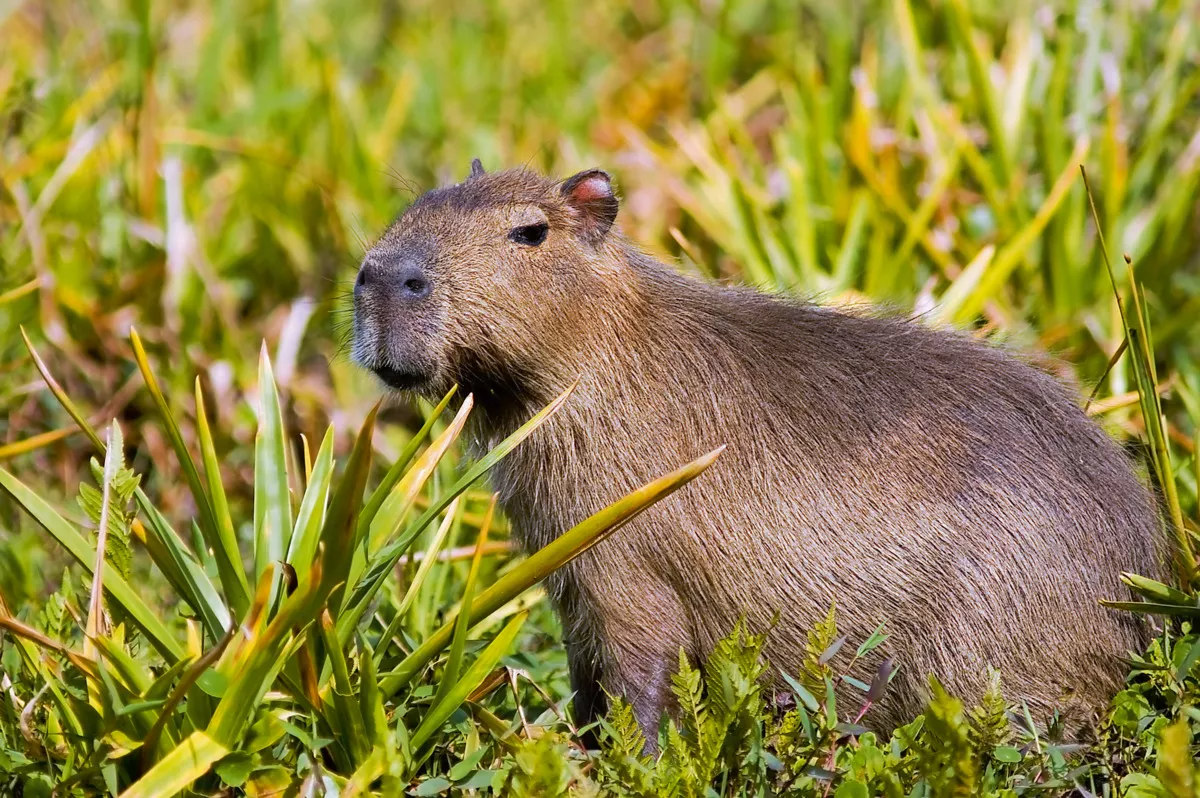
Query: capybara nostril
[414, 284]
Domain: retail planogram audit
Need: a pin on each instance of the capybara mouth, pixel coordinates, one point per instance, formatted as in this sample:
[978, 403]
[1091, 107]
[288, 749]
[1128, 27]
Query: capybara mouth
[400, 379]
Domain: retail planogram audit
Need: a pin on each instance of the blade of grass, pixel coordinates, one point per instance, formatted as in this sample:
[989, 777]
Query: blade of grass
[190, 677]
[844, 269]
[186, 575]
[370, 701]
[338, 531]
[133, 674]
[981, 87]
[382, 564]
[480, 668]
[60, 394]
[399, 467]
[13, 294]
[190, 760]
[1112, 362]
[350, 725]
[95, 625]
[224, 547]
[949, 306]
[35, 442]
[236, 585]
[146, 619]
[400, 499]
[1141, 356]
[1156, 591]
[1154, 608]
[86, 665]
[95, 617]
[272, 500]
[253, 666]
[303, 546]
[418, 580]
[541, 563]
[178, 566]
[458, 644]
[370, 770]
[917, 226]
[1007, 259]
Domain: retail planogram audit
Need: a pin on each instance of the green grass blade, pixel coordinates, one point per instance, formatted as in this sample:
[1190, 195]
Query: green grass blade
[167, 549]
[190, 760]
[352, 729]
[61, 395]
[398, 468]
[303, 546]
[418, 579]
[224, 550]
[252, 666]
[181, 569]
[113, 460]
[949, 308]
[201, 668]
[146, 619]
[400, 500]
[13, 294]
[339, 530]
[1155, 608]
[133, 673]
[1156, 591]
[480, 668]
[370, 770]
[914, 54]
[272, 500]
[1007, 259]
[382, 564]
[231, 573]
[546, 560]
[981, 87]
[370, 700]
[917, 225]
[459, 642]
[851, 246]
[1136, 325]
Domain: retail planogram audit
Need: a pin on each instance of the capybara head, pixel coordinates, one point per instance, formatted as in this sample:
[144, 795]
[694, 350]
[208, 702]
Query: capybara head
[470, 285]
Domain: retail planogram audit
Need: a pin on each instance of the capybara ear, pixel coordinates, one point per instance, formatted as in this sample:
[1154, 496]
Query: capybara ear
[590, 195]
[476, 169]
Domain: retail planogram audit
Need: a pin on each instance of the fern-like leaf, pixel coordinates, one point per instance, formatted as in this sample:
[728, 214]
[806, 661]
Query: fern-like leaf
[820, 637]
[944, 751]
[989, 720]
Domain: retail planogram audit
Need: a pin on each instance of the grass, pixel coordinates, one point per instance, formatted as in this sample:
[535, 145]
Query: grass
[210, 173]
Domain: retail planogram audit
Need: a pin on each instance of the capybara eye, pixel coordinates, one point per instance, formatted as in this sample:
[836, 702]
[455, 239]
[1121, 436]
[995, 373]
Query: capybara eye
[530, 235]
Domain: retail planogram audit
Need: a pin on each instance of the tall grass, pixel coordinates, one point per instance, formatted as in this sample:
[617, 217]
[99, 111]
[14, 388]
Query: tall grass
[157, 703]
[204, 169]
[210, 173]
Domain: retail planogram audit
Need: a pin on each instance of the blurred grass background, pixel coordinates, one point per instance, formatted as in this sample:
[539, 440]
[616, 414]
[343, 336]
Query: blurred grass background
[210, 172]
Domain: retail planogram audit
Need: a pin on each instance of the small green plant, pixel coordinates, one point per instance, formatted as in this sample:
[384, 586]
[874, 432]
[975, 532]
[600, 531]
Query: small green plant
[292, 670]
[919, 153]
[725, 739]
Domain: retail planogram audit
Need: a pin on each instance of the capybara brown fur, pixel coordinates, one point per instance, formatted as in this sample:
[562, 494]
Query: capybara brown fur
[915, 476]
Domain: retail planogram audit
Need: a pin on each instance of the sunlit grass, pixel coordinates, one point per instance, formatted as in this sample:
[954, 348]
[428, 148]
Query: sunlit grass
[210, 174]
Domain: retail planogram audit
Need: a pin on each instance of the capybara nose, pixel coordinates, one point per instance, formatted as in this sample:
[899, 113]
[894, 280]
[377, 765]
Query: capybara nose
[403, 278]
[409, 282]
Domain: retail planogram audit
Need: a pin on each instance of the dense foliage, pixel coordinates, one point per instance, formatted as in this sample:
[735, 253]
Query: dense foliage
[209, 171]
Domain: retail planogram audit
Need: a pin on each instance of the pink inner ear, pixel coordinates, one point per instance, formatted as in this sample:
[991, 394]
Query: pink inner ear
[591, 189]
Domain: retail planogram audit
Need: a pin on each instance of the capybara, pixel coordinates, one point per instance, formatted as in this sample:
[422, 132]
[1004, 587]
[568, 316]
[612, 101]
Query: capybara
[913, 475]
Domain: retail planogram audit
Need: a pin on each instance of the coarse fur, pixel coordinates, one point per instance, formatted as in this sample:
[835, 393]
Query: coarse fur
[915, 476]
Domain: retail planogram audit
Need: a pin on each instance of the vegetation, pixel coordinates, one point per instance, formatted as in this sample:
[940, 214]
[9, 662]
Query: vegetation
[191, 597]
